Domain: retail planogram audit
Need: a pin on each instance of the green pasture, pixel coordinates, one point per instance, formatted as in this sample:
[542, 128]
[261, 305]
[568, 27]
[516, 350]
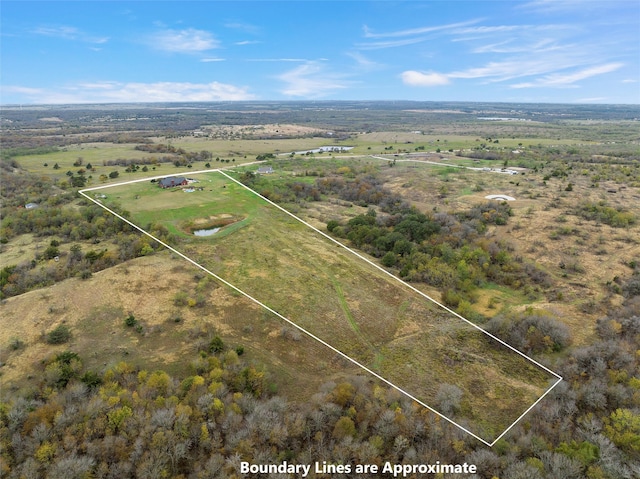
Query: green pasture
[320, 164]
[342, 300]
[375, 143]
[242, 151]
[250, 148]
[94, 153]
[149, 204]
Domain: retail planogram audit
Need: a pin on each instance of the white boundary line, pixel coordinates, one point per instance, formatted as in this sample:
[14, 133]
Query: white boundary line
[490, 444]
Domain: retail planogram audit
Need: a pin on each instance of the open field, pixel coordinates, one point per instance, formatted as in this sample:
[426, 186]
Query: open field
[344, 301]
[170, 335]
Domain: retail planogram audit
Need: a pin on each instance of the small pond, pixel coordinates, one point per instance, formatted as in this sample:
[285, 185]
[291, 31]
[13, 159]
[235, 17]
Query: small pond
[208, 232]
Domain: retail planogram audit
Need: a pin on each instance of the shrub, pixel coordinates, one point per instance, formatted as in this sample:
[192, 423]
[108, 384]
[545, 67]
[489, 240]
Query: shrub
[531, 333]
[606, 214]
[451, 298]
[15, 344]
[216, 345]
[632, 287]
[51, 252]
[331, 225]
[91, 379]
[59, 335]
[448, 398]
[130, 321]
[389, 259]
[180, 299]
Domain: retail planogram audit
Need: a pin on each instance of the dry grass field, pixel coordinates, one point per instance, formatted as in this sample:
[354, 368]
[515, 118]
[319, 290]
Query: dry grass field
[95, 311]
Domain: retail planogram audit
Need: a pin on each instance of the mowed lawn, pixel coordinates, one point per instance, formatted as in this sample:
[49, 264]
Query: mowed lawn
[340, 298]
[174, 208]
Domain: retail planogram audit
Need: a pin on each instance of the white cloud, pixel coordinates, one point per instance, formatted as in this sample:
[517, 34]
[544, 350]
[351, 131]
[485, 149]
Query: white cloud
[552, 71]
[415, 78]
[408, 36]
[490, 29]
[311, 81]
[21, 90]
[389, 43]
[209, 60]
[68, 33]
[568, 79]
[133, 92]
[416, 31]
[505, 70]
[295, 60]
[570, 6]
[543, 45]
[363, 62]
[629, 80]
[243, 27]
[247, 42]
[188, 40]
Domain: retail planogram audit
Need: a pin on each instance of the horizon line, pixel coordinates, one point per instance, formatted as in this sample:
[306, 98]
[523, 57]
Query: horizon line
[192, 102]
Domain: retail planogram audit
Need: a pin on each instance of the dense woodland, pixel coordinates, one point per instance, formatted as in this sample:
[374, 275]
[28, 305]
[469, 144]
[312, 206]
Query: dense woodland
[146, 424]
[123, 421]
[59, 223]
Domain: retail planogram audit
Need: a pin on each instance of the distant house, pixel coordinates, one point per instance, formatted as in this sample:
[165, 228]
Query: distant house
[265, 170]
[31, 206]
[172, 181]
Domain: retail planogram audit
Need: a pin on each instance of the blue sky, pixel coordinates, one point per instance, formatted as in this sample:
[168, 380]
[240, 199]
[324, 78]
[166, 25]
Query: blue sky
[573, 51]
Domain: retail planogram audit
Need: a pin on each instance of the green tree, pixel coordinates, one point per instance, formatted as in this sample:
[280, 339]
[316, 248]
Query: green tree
[78, 181]
[51, 252]
[389, 259]
[344, 427]
[331, 225]
[623, 429]
[216, 345]
[585, 452]
[117, 417]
